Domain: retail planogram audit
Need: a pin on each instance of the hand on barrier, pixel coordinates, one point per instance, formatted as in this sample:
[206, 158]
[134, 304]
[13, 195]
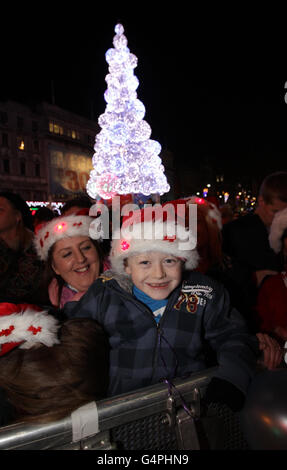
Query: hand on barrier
[272, 353]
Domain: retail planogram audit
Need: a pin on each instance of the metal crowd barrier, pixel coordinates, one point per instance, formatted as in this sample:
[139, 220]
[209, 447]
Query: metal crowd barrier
[151, 418]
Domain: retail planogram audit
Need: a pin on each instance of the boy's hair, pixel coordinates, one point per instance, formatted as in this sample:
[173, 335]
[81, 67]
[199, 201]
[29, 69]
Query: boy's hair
[48, 383]
[274, 186]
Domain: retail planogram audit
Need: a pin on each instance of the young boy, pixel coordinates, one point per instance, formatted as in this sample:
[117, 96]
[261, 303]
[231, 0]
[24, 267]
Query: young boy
[160, 318]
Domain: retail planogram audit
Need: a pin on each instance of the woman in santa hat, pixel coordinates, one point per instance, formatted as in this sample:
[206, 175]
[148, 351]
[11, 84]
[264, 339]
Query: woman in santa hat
[73, 259]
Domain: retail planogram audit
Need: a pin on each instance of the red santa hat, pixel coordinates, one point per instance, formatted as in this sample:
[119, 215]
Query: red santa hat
[58, 228]
[213, 212]
[278, 227]
[24, 325]
[154, 228]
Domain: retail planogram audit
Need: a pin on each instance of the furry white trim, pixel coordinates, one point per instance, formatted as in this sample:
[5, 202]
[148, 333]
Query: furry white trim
[149, 236]
[279, 224]
[58, 228]
[29, 326]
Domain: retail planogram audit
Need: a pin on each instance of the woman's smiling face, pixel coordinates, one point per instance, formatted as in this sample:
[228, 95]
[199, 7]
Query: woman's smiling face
[154, 273]
[76, 260]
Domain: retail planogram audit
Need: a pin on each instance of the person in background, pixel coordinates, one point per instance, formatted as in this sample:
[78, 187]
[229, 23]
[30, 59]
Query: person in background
[271, 305]
[215, 264]
[20, 268]
[227, 213]
[73, 260]
[43, 214]
[245, 241]
[78, 205]
[49, 369]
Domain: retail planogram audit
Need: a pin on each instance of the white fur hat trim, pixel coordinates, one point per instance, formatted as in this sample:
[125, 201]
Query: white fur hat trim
[279, 224]
[29, 326]
[58, 228]
[153, 236]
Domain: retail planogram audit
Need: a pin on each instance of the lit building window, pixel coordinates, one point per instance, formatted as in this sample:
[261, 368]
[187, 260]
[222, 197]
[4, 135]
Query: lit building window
[73, 134]
[21, 145]
[55, 128]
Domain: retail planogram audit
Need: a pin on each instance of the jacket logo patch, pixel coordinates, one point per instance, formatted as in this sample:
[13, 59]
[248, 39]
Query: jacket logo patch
[201, 291]
[191, 301]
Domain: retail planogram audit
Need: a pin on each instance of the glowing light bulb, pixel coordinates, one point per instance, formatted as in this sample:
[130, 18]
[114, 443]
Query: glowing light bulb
[60, 227]
[125, 245]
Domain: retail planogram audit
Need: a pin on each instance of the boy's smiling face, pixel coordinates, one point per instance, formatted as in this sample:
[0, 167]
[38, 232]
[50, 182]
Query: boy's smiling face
[154, 273]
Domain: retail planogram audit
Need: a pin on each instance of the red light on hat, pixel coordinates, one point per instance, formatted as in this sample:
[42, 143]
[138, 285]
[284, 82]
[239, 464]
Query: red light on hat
[60, 227]
[199, 200]
[125, 245]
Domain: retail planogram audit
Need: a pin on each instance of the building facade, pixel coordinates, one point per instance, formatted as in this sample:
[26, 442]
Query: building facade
[45, 151]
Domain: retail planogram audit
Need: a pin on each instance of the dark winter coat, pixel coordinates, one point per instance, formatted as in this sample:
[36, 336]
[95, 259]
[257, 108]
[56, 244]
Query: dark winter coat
[143, 353]
[245, 241]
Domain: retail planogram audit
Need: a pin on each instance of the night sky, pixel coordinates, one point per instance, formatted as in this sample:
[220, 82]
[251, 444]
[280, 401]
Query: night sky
[212, 81]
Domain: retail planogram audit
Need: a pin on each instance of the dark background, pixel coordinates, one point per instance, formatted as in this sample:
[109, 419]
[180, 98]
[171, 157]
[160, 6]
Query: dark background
[212, 80]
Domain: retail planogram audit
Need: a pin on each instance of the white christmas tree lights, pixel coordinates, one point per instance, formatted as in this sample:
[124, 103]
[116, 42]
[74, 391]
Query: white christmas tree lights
[126, 160]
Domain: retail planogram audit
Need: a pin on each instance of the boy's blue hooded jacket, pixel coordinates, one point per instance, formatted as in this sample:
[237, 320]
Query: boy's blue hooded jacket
[198, 318]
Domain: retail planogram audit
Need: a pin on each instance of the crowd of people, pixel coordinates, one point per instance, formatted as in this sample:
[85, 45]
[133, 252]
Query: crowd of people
[83, 318]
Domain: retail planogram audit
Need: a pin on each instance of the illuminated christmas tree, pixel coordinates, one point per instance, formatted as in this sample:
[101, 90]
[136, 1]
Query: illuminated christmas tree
[126, 160]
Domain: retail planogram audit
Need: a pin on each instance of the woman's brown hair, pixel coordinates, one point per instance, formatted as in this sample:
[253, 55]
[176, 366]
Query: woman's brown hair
[48, 383]
[209, 240]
